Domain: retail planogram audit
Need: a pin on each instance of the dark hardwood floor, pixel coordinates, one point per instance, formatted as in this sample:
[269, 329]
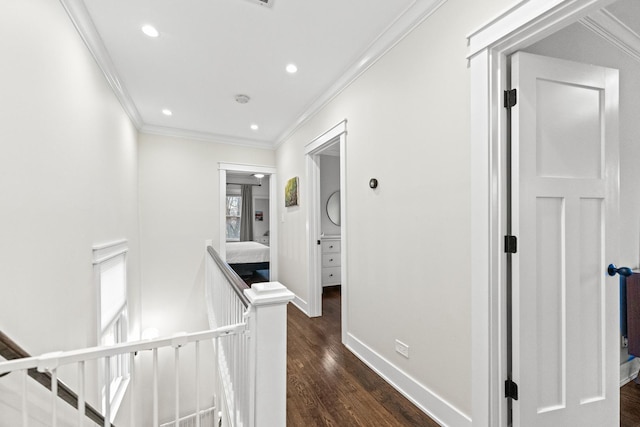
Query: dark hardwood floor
[630, 405]
[328, 386]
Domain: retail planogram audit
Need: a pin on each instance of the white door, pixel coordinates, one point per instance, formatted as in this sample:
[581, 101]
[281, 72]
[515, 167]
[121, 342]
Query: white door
[565, 211]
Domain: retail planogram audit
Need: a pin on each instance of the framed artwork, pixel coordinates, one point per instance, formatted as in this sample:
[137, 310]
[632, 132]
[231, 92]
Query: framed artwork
[291, 192]
[259, 216]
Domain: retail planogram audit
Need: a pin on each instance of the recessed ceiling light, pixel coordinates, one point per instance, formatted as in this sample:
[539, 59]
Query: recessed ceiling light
[254, 126]
[150, 30]
[292, 69]
[167, 112]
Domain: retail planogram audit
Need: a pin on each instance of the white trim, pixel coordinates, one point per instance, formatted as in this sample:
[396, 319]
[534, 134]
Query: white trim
[109, 245]
[629, 371]
[79, 15]
[443, 412]
[529, 21]
[335, 135]
[110, 256]
[246, 167]
[273, 212]
[206, 136]
[519, 27]
[302, 305]
[319, 141]
[610, 28]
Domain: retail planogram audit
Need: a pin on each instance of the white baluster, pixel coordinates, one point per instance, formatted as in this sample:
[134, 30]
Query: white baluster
[177, 390]
[54, 394]
[132, 392]
[107, 391]
[197, 383]
[25, 407]
[155, 387]
[81, 407]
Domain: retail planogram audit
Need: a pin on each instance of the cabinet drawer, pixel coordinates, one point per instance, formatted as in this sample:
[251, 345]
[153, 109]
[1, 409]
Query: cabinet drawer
[331, 276]
[330, 246]
[331, 260]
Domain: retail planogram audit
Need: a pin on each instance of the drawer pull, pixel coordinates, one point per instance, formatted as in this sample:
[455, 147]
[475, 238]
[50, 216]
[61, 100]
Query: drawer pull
[331, 275]
[330, 259]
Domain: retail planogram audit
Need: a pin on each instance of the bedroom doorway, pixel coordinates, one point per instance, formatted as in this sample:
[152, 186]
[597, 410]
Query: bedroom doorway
[256, 224]
[326, 164]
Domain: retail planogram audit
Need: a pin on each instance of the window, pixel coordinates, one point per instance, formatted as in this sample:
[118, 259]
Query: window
[234, 208]
[110, 267]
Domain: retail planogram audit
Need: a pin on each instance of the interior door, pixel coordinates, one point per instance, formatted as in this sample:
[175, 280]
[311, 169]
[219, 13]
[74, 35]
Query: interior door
[565, 206]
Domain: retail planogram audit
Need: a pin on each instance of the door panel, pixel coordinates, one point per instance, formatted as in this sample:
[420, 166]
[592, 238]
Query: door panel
[565, 207]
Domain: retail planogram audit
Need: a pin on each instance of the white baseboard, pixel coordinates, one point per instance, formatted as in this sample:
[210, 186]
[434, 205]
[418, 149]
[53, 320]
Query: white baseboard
[430, 403]
[301, 304]
[629, 370]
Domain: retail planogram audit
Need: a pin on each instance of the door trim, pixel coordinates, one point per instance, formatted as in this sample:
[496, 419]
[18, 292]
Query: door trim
[335, 135]
[223, 168]
[489, 46]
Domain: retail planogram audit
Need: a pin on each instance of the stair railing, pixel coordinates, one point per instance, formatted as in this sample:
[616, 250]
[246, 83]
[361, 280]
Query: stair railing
[252, 368]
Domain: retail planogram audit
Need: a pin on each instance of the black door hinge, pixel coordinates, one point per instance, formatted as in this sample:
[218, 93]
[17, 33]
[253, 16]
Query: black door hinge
[510, 390]
[319, 242]
[510, 244]
[510, 98]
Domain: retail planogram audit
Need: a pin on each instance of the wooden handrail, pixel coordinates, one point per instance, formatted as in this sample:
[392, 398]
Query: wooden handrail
[237, 284]
[10, 350]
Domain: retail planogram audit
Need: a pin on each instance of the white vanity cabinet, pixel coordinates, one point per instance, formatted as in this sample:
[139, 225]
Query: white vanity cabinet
[331, 261]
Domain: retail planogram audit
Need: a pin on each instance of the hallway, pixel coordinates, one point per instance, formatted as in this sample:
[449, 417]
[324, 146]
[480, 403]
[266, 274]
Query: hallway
[328, 386]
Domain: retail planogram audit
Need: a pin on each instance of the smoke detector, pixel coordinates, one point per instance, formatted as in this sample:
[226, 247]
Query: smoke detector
[242, 99]
[267, 3]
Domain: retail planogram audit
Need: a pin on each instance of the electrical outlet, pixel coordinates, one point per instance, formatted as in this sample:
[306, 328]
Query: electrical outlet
[624, 342]
[402, 348]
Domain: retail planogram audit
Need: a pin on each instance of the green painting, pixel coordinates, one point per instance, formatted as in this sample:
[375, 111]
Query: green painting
[291, 192]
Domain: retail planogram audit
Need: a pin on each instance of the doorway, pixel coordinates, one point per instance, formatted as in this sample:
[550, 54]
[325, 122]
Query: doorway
[263, 177]
[326, 168]
[522, 28]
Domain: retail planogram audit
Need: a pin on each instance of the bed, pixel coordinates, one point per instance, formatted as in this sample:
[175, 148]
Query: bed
[247, 258]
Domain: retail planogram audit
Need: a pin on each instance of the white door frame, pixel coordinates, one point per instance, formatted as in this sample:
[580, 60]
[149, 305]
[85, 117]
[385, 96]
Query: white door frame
[335, 135]
[520, 26]
[223, 168]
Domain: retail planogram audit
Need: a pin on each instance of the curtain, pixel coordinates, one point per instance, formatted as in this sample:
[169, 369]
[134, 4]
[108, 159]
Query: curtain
[246, 217]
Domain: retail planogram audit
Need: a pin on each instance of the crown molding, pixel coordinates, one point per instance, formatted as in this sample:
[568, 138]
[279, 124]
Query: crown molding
[607, 26]
[205, 136]
[405, 23]
[79, 15]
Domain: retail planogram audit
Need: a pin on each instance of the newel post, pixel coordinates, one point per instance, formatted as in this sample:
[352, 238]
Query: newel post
[268, 326]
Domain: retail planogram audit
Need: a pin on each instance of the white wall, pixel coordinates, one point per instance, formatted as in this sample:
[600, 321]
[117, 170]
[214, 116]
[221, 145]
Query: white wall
[408, 260]
[179, 210]
[68, 181]
[577, 43]
[329, 183]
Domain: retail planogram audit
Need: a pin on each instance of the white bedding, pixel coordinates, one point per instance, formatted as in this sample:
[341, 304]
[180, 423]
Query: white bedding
[246, 252]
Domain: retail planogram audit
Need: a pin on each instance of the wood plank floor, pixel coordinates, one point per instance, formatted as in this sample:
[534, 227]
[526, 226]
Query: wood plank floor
[630, 405]
[328, 386]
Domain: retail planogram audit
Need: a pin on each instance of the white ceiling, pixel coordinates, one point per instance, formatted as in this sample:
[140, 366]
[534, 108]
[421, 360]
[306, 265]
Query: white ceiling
[210, 50]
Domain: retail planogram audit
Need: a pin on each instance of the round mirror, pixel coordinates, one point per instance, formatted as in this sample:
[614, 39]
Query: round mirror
[333, 207]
